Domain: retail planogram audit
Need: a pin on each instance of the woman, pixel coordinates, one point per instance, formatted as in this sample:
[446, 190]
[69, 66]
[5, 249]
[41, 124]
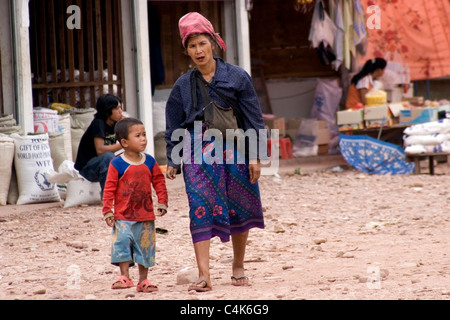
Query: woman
[224, 199]
[362, 82]
[98, 143]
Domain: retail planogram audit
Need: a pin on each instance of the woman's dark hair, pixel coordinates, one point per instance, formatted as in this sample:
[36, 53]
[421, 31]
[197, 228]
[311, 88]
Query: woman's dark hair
[123, 126]
[369, 67]
[105, 104]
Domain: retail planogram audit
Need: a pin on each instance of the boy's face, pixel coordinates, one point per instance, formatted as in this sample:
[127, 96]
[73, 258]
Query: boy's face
[137, 138]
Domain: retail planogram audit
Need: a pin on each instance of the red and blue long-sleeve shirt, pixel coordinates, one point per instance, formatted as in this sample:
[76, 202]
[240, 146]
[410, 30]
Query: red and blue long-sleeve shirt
[128, 189]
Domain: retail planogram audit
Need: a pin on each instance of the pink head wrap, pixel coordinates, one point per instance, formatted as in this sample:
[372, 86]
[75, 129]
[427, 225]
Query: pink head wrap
[194, 22]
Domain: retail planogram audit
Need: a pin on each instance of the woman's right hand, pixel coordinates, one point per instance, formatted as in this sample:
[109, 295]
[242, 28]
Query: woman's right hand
[171, 173]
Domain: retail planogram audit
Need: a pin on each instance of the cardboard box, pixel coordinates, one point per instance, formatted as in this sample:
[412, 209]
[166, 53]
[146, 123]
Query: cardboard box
[292, 128]
[418, 115]
[378, 123]
[376, 113]
[395, 109]
[349, 117]
[414, 101]
[293, 124]
[276, 123]
[322, 149]
[323, 134]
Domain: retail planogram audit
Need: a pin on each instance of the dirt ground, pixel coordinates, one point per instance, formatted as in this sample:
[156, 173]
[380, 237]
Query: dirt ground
[332, 233]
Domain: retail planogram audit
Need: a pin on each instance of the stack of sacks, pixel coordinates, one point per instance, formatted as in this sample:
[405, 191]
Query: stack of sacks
[8, 125]
[428, 137]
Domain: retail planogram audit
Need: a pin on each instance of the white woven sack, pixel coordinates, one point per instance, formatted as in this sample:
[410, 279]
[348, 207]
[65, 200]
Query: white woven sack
[6, 163]
[56, 142]
[13, 192]
[81, 191]
[32, 159]
[64, 127]
[82, 117]
[76, 134]
[45, 120]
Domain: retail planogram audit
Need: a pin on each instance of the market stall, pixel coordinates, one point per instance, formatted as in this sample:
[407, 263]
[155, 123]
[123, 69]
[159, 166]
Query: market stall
[416, 48]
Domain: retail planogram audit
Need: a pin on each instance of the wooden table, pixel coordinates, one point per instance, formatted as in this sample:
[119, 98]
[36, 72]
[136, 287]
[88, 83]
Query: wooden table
[392, 134]
[416, 158]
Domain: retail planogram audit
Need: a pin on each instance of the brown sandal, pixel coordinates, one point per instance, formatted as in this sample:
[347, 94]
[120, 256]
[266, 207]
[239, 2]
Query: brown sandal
[239, 281]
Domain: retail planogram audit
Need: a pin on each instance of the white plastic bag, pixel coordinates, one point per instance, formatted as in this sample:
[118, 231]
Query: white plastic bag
[305, 140]
[326, 104]
[395, 65]
[79, 191]
[322, 27]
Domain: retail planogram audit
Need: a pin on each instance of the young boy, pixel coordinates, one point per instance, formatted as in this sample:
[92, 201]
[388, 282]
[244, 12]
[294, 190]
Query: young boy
[128, 188]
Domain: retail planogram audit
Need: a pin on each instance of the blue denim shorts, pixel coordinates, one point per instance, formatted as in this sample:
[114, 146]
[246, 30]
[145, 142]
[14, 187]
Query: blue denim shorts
[133, 241]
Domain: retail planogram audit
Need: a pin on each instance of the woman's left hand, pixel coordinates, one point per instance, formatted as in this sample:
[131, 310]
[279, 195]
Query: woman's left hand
[255, 171]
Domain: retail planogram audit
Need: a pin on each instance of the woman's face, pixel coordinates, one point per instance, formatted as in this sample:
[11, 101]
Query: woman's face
[116, 114]
[200, 49]
[378, 74]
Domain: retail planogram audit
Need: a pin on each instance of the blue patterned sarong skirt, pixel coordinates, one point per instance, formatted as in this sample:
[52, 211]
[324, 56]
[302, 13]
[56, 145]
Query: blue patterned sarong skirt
[221, 198]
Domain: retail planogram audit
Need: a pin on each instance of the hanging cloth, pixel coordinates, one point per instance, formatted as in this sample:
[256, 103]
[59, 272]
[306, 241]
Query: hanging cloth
[349, 46]
[336, 11]
[359, 27]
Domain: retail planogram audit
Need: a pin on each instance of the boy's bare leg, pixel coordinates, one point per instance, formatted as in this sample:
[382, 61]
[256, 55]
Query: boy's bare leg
[124, 271]
[143, 273]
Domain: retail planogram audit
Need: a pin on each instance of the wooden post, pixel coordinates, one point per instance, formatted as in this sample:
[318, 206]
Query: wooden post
[23, 88]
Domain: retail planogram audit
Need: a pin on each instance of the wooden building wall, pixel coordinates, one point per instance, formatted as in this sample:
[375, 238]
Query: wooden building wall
[75, 66]
[174, 60]
[2, 108]
[279, 41]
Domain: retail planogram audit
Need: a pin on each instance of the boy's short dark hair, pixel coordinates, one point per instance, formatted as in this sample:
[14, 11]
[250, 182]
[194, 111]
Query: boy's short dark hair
[122, 127]
[105, 104]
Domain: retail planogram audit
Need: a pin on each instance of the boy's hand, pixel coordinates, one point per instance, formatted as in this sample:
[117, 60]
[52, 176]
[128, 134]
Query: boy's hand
[110, 221]
[109, 218]
[162, 212]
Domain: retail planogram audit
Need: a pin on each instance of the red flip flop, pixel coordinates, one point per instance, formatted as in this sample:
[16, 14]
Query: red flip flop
[122, 283]
[146, 286]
